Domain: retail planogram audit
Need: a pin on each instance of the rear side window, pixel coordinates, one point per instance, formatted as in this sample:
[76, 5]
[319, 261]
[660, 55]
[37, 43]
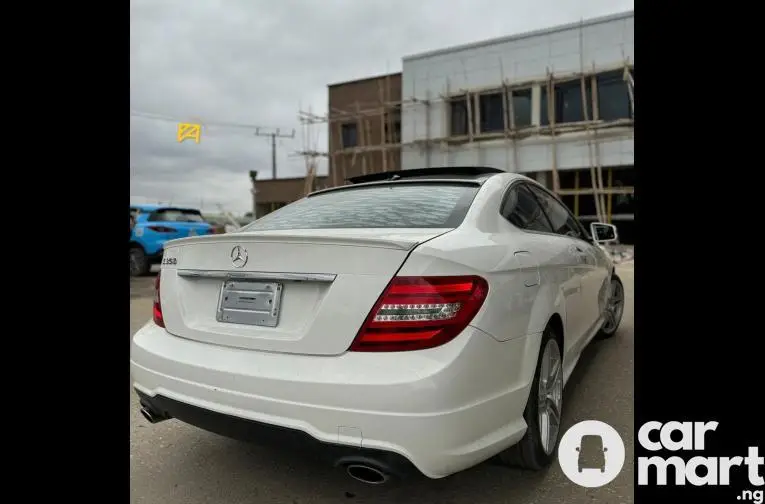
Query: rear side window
[175, 215]
[522, 209]
[402, 205]
[562, 220]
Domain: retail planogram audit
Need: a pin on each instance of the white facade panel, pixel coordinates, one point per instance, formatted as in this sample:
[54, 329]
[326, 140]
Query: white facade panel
[591, 46]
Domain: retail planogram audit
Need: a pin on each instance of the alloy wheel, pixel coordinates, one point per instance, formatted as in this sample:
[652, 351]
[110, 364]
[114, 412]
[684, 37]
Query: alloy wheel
[550, 396]
[615, 307]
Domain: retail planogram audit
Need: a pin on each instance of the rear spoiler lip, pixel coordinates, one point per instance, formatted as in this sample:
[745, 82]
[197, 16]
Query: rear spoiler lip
[404, 244]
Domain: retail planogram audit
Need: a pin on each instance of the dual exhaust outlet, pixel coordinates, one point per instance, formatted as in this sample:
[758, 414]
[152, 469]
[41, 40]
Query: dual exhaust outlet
[362, 471]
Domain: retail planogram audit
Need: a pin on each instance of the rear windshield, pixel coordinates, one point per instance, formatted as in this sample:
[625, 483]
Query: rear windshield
[402, 205]
[176, 215]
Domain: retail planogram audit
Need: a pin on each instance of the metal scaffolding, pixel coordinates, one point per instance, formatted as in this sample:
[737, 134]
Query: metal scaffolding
[592, 130]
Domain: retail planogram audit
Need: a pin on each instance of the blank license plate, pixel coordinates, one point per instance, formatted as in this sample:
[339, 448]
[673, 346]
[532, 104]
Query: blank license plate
[250, 303]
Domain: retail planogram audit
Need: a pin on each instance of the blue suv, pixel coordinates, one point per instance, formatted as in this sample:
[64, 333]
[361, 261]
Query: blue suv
[153, 225]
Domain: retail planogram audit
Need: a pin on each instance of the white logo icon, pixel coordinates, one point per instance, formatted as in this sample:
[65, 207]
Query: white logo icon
[591, 454]
[239, 256]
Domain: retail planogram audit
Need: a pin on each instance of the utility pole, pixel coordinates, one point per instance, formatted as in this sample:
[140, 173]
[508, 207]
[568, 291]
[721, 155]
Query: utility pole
[274, 135]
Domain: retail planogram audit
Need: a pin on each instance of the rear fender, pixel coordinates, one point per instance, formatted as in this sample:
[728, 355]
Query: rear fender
[549, 300]
[513, 309]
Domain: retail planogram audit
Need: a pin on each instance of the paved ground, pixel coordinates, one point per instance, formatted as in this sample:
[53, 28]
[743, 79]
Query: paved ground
[171, 463]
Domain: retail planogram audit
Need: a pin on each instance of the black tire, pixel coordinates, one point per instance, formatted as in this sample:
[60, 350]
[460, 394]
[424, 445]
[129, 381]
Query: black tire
[528, 453]
[139, 263]
[609, 332]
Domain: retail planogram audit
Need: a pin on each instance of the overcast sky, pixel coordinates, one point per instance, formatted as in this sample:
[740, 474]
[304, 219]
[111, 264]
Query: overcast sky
[257, 62]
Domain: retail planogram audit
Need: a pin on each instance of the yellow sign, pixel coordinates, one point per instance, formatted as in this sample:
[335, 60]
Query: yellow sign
[187, 131]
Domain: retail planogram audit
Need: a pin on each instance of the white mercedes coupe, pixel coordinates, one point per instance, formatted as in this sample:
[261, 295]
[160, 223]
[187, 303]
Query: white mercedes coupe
[416, 322]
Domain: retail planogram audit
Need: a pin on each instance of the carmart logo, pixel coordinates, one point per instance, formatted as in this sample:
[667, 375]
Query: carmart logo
[699, 470]
[591, 453]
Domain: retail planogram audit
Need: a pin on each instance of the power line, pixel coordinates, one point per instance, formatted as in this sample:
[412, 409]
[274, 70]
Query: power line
[218, 124]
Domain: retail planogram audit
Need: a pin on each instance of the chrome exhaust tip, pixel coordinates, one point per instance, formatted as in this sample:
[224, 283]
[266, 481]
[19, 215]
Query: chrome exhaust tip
[151, 417]
[367, 474]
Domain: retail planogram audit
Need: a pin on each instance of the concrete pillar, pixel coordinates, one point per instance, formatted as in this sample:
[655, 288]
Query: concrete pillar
[536, 100]
[543, 178]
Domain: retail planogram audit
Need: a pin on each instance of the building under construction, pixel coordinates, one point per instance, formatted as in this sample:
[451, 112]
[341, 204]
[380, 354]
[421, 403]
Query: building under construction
[364, 127]
[555, 104]
[364, 135]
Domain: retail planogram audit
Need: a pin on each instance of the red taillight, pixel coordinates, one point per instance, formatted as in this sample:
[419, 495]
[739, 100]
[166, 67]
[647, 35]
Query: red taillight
[157, 309]
[415, 313]
[162, 229]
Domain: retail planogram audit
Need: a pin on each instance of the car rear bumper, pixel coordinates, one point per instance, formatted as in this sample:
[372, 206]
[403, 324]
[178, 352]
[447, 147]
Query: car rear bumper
[276, 437]
[439, 411]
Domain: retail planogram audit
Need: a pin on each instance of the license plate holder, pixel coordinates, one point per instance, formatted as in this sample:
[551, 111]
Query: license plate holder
[248, 302]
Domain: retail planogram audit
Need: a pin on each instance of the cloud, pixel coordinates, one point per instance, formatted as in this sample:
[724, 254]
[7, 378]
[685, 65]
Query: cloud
[257, 62]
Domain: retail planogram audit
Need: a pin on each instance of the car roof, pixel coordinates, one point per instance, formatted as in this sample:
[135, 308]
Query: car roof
[468, 172]
[476, 175]
[148, 207]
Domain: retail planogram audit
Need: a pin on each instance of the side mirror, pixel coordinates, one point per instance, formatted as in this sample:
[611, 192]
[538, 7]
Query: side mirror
[577, 448]
[603, 233]
[605, 449]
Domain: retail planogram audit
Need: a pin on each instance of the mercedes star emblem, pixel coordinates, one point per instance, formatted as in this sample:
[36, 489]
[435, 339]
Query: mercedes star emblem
[238, 256]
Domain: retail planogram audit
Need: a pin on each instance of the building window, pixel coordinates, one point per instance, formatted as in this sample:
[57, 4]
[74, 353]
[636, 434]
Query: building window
[393, 119]
[568, 103]
[521, 99]
[491, 112]
[395, 135]
[396, 112]
[349, 135]
[613, 96]
[458, 116]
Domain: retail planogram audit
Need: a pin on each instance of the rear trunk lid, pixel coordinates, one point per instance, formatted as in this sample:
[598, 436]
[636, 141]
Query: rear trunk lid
[297, 291]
